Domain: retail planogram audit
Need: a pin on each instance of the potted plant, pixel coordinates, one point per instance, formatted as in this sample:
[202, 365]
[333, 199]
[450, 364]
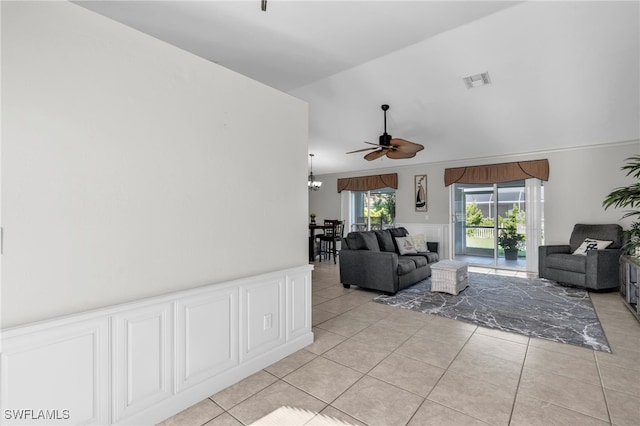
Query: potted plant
[312, 216]
[629, 196]
[510, 239]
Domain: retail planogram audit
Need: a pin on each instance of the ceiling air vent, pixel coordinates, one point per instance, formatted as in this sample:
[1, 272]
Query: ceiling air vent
[477, 80]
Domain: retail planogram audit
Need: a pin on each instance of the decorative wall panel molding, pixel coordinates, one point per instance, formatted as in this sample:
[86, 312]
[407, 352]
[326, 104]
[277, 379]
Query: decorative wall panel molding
[142, 341]
[263, 317]
[56, 373]
[207, 339]
[298, 290]
[143, 361]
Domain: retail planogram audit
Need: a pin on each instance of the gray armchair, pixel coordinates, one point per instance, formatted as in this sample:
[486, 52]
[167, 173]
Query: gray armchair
[597, 270]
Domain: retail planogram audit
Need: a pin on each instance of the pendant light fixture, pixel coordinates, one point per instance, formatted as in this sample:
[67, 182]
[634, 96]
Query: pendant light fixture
[314, 185]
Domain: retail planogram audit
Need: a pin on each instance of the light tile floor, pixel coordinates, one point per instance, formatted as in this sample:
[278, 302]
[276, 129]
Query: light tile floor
[372, 364]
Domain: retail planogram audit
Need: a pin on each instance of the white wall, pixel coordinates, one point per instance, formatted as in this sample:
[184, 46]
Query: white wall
[131, 168]
[579, 180]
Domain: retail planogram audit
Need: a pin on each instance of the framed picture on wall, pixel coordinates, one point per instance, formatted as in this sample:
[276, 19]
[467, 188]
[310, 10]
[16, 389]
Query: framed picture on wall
[421, 193]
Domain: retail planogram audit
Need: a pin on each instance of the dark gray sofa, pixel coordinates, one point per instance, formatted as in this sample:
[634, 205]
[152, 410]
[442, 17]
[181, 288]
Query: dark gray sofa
[370, 259]
[597, 270]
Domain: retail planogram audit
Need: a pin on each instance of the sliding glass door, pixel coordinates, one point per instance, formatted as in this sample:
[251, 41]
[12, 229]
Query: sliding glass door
[490, 224]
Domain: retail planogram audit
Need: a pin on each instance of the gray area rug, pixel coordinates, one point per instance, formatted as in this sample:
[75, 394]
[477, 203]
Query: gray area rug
[530, 306]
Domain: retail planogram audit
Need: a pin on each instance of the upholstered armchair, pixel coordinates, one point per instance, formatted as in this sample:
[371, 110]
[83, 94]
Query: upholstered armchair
[595, 269]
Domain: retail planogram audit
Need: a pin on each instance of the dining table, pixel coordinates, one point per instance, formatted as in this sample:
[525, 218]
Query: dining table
[312, 237]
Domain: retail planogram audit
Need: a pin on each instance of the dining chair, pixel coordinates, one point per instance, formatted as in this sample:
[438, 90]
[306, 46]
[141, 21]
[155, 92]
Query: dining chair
[376, 223]
[329, 240]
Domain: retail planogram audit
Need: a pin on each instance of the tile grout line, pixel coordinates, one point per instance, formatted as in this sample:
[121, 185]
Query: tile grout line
[366, 374]
[347, 338]
[604, 394]
[569, 378]
[244, 399]
[426, 398]
[515, 396]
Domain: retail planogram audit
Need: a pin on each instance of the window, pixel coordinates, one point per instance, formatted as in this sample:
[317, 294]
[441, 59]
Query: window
[372, 210]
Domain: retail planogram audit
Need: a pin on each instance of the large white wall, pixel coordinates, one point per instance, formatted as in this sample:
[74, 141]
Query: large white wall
[579, 180]
[131, 168]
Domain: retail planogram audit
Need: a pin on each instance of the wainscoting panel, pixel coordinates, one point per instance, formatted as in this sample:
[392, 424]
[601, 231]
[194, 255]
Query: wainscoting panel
[143, 358]
[298, 313]
[58, 373]
[262, 316]
[207, 340]
[144, 361]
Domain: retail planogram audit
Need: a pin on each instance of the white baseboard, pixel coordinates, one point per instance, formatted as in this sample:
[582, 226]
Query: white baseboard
[144, 361]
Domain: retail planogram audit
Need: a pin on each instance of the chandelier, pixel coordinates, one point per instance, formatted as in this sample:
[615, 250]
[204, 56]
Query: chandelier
[314, 185]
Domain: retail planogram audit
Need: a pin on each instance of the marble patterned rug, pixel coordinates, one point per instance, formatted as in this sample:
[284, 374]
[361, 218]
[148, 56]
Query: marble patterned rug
[530, 306]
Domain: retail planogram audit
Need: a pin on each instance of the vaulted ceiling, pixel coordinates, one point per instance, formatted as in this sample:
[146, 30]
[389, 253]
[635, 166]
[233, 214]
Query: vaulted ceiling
[563, 74]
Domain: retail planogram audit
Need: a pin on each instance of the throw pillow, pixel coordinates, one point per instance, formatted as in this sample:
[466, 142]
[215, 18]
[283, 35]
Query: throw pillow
[405, 245]
[397, 232]
[591, 244]
[420, 243]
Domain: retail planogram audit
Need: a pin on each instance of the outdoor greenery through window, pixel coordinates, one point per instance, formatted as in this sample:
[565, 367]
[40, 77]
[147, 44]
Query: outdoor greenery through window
[480, 228]
[490, 226]
[374, 209]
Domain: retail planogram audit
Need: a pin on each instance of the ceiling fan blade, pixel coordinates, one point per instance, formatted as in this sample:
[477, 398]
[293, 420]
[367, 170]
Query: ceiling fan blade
[405, 146]
[375, 155]
[397, 155]
[371, 143]
[360, 150]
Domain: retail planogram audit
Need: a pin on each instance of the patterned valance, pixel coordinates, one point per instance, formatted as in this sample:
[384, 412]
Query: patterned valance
[498, 173]
[366, 183]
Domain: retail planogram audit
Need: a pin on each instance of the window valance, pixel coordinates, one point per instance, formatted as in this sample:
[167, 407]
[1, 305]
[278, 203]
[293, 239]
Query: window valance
[498, 173]
[366, 183]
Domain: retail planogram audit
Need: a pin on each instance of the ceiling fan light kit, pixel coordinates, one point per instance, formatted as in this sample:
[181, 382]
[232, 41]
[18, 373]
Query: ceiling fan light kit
[394, 148]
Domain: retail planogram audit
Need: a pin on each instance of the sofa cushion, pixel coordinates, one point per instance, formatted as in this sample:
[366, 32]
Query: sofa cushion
[431, 257]
[419, 261]
[385, 241]
[398, 232]
[607, 232]
[350, 241]
[367, 241]
[405, 266]
[567, 262]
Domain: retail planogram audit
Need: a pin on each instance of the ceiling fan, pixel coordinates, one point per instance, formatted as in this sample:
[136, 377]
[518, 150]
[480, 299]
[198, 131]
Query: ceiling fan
[394, 148]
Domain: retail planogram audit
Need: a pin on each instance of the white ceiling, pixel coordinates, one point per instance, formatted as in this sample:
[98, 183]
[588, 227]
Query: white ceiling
[564, 74]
